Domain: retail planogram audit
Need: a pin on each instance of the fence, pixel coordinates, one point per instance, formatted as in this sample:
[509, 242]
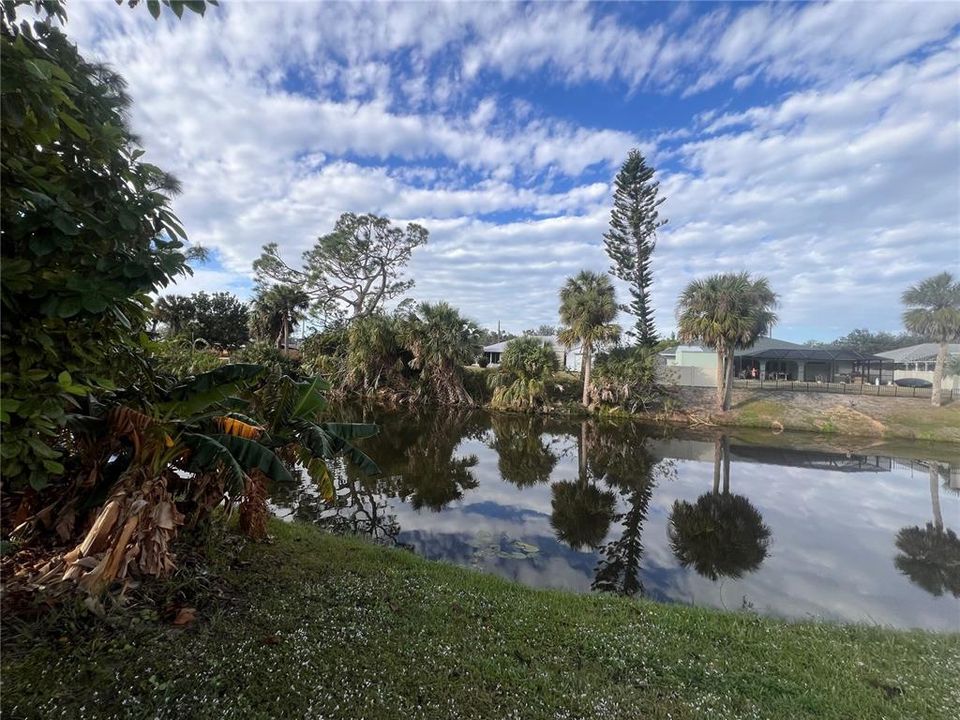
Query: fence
[843, 388]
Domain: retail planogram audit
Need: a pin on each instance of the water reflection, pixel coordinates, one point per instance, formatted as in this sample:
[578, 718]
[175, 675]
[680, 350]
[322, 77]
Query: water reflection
[930, 556]
[721, 535]
[627, 509]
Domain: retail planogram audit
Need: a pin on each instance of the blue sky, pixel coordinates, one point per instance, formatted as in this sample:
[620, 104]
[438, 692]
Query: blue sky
[818, 144]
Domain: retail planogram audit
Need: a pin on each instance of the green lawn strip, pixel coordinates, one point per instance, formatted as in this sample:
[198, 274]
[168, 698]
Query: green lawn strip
[323, 626]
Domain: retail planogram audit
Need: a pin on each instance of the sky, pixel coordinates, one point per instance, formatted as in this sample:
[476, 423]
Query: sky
[816, 144]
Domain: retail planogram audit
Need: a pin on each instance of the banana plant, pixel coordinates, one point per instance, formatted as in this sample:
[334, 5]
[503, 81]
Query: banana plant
[140, 470]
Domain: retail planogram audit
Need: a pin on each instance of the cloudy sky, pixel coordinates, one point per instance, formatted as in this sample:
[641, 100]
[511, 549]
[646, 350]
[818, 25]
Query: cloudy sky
[818, 144]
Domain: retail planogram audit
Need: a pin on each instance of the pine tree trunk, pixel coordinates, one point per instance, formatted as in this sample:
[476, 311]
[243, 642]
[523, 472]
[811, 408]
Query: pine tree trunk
[936, 395]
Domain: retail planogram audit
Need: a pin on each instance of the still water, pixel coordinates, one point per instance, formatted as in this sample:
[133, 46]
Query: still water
[778, 529]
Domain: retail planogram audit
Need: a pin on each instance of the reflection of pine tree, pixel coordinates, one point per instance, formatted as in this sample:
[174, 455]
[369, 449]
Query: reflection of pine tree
[620, 456]
[619, 569]
[523, 458]
[721, 534]
[930, 556]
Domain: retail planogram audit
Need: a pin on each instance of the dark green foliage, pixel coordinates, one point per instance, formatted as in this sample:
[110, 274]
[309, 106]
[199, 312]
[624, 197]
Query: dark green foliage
[869, 342]
[524, 459]
[87, 234]
[219, 319]
[930, 557]
[631, 239]
[269, 355]
[355, 269]
[277, 311]
[626, 378]
[721, 535]
[581, 513]
[526, 367]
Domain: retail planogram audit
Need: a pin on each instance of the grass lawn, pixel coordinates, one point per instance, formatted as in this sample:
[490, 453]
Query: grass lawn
[319, 626]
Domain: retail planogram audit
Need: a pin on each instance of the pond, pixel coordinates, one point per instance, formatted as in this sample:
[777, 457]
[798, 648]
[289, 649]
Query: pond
[773, 524]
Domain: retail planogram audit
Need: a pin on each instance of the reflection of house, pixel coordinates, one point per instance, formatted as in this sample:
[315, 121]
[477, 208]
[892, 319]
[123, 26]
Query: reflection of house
[567, 358]
[917, 361]
[770, 358]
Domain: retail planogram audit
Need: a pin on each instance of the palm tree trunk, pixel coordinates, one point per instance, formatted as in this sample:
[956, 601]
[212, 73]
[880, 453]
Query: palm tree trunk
[587, 362]
[728, 384]
[935, 496]
[582, 453]
[716, 466]
[726, 465]
[935, 396]
[721, 357]
[286, 332]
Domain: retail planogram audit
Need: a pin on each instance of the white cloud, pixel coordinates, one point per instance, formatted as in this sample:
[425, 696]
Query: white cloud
[277, 117]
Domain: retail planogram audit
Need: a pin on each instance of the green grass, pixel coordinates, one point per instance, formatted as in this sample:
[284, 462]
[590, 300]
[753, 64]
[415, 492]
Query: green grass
[320, 626]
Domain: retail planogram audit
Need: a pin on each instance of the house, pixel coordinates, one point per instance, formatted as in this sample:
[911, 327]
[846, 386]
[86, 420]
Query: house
[769, 359]
[567, 358]
[918, 361]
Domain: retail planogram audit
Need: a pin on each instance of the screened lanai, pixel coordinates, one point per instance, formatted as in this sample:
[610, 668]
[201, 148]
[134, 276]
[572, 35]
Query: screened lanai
[811, 365]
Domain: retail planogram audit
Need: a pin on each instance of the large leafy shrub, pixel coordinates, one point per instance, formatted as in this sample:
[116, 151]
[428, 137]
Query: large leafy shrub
[87, 234]
[526, 367]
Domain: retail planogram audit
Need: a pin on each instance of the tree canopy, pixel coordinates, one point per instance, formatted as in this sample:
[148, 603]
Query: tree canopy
[726, 312]
[631, 239]
[933, 312]
[351, 271]
[220, 318]
[87, 235]
[588, 307]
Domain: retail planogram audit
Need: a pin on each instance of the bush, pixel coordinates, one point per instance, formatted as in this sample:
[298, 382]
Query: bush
[625, 378]
[526, 369]
[482, 361]
[181, 357]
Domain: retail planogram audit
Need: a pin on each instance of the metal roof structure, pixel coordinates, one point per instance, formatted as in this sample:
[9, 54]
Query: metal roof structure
[811, 354]
[918, 353]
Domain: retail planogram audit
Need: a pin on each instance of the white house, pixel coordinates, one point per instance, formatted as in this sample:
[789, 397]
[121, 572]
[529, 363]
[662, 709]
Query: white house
[918, 361]
[567, 358]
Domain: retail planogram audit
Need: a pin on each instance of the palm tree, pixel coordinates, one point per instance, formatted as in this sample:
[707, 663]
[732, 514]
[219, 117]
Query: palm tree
[588, 307]
[726, 312]
[442, 342]
[276, 311]
[526, 367]
[933, 311]
[174, 311]
[721, 534]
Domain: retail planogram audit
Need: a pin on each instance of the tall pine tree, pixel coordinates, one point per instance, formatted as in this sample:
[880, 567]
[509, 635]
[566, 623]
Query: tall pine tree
[632, 237]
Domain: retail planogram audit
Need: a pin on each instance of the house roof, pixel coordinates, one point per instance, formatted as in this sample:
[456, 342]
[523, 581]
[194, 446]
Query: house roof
[549, 339]
[501, 346]
[762, 343]
[921, 352]
[808, 353]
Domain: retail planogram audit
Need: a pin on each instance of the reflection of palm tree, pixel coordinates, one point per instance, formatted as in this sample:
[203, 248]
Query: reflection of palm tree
[582, 512]
[721, 534]
[523, 458]
[930, 556]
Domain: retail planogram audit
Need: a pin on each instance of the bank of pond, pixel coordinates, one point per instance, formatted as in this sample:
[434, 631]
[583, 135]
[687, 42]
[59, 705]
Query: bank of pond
[788, 526]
